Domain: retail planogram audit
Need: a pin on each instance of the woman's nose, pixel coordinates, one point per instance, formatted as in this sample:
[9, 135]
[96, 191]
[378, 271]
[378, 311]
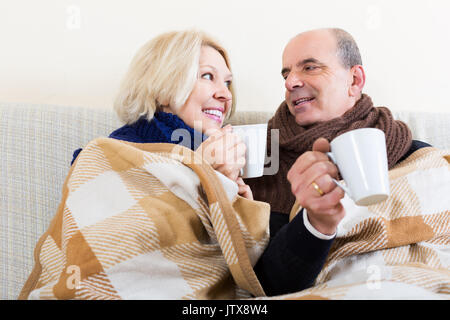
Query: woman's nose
[223, 93]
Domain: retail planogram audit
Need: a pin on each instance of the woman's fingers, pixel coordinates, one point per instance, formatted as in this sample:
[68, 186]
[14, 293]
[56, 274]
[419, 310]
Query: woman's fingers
[225, 148]
[225, 152]
[216, 132]
[244, 190]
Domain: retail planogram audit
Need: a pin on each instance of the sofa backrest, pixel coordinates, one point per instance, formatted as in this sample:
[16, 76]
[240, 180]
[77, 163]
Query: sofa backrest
[36, 147]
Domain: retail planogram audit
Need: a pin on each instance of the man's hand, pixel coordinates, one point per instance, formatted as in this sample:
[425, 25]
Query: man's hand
[224, 151]
[325, 211]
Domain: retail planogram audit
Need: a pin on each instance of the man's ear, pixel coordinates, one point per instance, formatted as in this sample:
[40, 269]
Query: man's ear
[359, 80]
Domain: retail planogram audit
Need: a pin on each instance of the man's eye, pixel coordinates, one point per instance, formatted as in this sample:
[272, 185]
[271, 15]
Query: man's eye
[207, 76]
[310, 68]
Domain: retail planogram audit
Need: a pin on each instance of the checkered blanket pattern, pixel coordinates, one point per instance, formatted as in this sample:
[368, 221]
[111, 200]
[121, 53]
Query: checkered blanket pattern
[148, 221]
[397, 249]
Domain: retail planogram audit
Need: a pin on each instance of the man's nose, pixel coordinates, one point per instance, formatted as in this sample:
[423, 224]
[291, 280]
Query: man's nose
[293, 81]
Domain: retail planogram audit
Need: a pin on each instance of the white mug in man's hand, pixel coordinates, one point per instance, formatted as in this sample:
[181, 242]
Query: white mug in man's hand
[361, 158]
[255, 138]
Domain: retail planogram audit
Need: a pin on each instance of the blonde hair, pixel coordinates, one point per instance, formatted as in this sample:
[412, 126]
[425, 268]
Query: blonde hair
[163, 74]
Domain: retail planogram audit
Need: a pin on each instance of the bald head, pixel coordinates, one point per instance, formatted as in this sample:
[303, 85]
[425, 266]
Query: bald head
[346, 48]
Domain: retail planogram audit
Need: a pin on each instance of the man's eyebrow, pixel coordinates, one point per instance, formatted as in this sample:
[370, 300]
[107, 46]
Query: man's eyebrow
[228, 75]
[308, 60]
[301, 63]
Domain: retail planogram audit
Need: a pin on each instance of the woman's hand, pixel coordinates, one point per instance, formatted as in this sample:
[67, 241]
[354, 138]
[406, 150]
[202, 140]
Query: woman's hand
[244, 190]
[224, 151]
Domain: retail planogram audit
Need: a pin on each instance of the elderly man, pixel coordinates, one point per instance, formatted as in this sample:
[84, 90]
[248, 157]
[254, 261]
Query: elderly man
[324, 79]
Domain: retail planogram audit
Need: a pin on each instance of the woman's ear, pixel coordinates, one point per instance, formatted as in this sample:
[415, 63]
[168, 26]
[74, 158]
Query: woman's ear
[358, 80]
[163, 107]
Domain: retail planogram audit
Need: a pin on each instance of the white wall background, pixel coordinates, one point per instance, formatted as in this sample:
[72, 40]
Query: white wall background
[75, 52]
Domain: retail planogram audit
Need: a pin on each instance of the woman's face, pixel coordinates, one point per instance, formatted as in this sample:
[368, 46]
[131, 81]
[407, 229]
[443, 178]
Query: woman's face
[210, 100]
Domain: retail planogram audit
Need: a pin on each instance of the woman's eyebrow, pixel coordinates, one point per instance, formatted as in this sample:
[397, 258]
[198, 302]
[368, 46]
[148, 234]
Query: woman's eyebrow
[228, 75]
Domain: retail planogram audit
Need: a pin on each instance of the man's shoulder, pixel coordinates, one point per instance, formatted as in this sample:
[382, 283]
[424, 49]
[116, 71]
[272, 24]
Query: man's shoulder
[415, 145]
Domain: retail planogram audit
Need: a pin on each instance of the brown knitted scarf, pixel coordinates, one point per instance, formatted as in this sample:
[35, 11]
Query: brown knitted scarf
[295, 140]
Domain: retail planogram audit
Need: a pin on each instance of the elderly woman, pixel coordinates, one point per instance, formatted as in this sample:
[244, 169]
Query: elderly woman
[182, 80]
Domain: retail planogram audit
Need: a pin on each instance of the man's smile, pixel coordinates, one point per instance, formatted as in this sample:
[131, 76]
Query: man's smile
[299, 103]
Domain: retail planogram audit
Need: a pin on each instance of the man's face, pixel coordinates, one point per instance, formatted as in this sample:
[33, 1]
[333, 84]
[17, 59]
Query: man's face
[317, 85]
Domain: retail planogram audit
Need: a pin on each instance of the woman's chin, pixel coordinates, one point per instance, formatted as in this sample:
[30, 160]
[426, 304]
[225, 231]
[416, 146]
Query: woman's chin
[211, 124]
[211, 127]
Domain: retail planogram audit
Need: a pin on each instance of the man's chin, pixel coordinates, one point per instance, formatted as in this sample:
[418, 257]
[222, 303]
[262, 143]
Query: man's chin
[304, 123]
[305, 119]
[305, 116]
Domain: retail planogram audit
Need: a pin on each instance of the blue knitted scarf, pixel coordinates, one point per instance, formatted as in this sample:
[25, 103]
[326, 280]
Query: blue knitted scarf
[163, 128]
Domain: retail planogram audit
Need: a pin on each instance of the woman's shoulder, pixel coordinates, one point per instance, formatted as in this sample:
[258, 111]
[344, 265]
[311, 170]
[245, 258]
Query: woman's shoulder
[130, 133]
[127, 133]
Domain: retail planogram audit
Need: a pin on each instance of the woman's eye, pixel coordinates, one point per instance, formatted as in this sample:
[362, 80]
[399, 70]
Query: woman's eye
[228, 83]
[207, 76]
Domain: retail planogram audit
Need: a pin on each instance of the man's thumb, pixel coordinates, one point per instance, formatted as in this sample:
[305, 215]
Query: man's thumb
[321, 145]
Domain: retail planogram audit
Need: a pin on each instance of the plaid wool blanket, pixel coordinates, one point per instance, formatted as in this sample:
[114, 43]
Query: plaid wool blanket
[149, 221]
[152, 221]
[397, 249]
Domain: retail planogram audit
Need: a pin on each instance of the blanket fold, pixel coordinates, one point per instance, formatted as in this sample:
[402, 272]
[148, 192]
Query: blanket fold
[148, 221]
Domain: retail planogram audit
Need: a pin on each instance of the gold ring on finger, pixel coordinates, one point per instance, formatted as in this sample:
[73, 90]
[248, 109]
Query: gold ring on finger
[316, 186]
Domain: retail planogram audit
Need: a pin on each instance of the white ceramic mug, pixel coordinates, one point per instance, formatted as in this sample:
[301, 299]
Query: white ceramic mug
[361, 158]
[255, 139]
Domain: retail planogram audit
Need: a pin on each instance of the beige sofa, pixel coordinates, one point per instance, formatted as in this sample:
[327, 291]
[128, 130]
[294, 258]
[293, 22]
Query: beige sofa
[36, 146]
